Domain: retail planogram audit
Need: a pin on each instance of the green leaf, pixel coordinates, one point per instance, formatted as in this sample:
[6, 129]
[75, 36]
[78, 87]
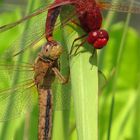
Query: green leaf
[84, 86]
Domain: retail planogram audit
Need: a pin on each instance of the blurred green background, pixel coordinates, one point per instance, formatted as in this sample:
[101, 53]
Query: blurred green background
[115, 88]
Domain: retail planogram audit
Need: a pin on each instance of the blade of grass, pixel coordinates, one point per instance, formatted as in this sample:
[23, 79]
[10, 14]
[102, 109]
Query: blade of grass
[84, 80]
[136, 127]
[121, 124]
[84, 83]
[117, 70]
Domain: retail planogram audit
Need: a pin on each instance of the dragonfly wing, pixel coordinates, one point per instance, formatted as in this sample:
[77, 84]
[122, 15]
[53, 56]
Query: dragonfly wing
[34, 14]
[34, 31]
[62, 100]
[16, 100]
[7, 7]
[22, 72]
[120, 6]
[15, 90]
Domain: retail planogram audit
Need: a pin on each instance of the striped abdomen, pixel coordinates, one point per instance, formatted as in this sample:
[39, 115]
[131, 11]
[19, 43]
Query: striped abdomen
[45, 114]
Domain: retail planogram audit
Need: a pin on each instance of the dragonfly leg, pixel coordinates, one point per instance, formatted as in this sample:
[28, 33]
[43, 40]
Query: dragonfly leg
[61, 78]
[75, 40]
[76, 23]
[93, 53]
[78, 46]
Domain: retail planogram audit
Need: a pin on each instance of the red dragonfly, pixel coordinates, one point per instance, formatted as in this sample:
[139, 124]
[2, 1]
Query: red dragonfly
[86, 14]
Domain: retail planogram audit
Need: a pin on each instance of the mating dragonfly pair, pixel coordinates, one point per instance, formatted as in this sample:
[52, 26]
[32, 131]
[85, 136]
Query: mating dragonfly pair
[86, 14]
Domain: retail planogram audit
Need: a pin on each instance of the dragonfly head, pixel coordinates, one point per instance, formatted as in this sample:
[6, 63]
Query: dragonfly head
[52, 50]
[98, 38]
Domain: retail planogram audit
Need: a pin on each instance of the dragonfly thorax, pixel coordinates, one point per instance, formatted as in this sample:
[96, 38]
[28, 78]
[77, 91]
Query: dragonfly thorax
[89, 15]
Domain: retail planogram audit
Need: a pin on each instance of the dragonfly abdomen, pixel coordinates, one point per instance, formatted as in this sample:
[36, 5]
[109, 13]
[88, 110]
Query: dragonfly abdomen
[45, 114]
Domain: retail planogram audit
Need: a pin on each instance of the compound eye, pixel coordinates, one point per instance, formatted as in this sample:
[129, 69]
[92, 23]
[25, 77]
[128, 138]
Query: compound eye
[98, 38]
[92, 37]
[100, 43]
[46, 49]
[103, 34]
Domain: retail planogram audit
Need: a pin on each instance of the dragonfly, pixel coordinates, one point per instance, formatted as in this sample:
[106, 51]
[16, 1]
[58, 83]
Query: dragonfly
[45, 69]
[45, 21]
[86, 14]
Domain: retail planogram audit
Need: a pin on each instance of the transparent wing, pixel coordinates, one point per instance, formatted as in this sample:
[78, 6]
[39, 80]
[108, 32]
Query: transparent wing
[16, 88]
[35, 13]
[35, 28]
[17, 96]
[9, 7]
[124, 6]
[18, 93]
[16, 100]
[9, 72]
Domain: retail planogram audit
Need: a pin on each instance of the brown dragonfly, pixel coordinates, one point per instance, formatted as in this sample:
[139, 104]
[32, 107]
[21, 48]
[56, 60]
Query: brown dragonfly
[45, 68]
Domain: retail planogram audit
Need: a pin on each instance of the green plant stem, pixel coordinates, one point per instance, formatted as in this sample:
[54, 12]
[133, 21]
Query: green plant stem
[122, 45]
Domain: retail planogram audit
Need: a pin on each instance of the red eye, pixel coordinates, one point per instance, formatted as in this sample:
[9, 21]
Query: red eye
[100, 43]
[92, 37]
[98, 38]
